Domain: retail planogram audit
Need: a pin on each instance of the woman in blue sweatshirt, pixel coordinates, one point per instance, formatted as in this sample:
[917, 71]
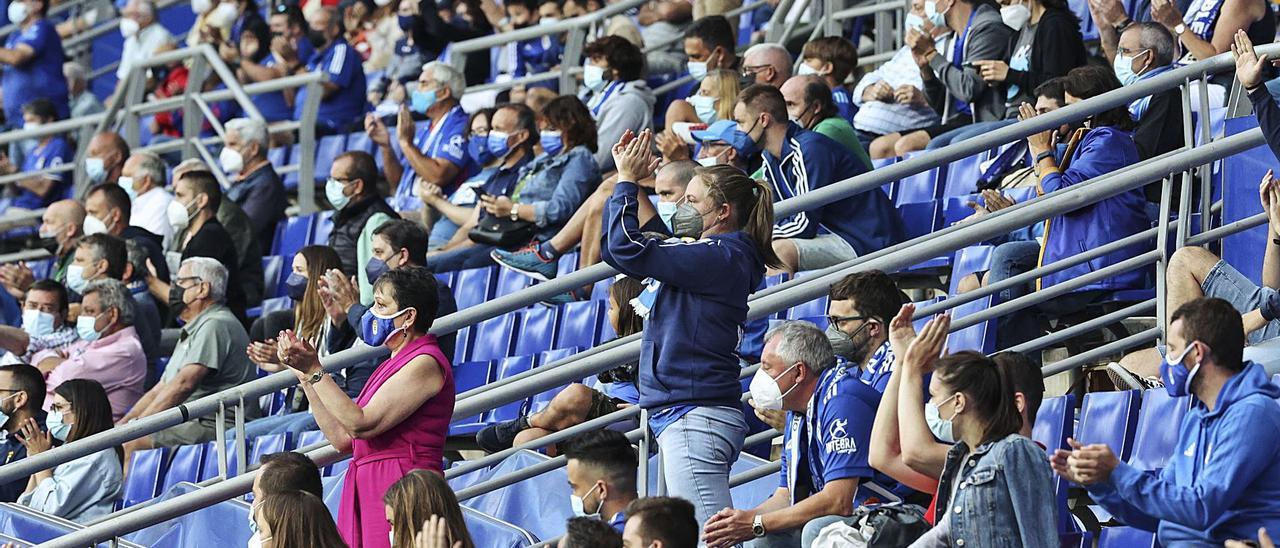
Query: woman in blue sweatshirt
[689, 365]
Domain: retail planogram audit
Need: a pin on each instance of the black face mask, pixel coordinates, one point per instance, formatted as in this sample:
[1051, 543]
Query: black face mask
[175, 298]
[317, 39]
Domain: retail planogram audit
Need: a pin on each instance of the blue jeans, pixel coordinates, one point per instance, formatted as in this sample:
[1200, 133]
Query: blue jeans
[474, 256]
[799, 537]
[697, 453]
[965, 132]
[441, 232]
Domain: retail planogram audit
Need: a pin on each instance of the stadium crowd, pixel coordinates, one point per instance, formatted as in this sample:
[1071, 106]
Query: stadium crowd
[153, 296]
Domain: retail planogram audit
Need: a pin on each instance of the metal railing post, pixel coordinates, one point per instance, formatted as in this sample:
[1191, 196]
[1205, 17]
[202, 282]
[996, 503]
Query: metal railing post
[220, 439]
[572, 58]
[642, 474]
[192, 118]
[307, 147]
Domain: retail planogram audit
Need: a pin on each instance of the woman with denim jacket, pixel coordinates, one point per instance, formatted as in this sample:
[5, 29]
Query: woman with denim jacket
[996, 487]
[546, 192]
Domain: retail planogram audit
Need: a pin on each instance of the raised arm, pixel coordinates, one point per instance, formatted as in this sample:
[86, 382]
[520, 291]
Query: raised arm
[886, 452]
[920, 450]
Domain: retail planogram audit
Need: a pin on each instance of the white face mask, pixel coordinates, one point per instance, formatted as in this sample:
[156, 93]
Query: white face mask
[577, 503]
[93, 225]
[940, 427]
[179, 216]
[765, 391]
[807, 70]
[1015, 16]
[199, 7]
[18, 12]
[231, 160]
[129, 28]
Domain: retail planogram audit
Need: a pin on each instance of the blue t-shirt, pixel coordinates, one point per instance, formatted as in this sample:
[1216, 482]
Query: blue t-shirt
[446, 142]
[347, 105]
[55, 153]
[844, 103]
[536, 56]
[40, 77]
[272, 105]
[831, 440]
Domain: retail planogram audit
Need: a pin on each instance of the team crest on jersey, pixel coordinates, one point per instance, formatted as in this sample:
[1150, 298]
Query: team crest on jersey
[838, 440]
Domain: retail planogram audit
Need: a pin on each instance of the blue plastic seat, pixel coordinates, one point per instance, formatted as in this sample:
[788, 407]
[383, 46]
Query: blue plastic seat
[474, 286]
[360, 141]
[1157, 432]
[555, 355]
[1110, 418]
[537, 330]
[272, 271]
[146, 468]
[777, 279]
[600, 291]
[279, 157]
[494, 338]
[291, 178]
[919, 218]
[292, 235]
[962, 176]
[580, 324]
[816, 307]
[890, 188]
[511, 281]
[979, 337]
[469, 376]
[1126, 537]
[921, 187]
[975, 258]
[510, 367]
[267, 444]
[1053, 422]
[324, 226]
[187, 464]
[567, 263]
[327, 149]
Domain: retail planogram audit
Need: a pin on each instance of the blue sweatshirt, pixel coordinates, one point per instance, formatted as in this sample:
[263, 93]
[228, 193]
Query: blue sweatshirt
[1223, 480]
[810, 160]
[689, 350]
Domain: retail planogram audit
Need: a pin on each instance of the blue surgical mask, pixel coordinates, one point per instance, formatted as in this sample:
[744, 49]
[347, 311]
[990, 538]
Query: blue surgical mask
[940, 427]
[698, 70]
[478, 148]
[85, 327]
[498, 146]
[551, 143]
[405, 21]
[1177, 378]
[96, 170]
[743, 143]
[75, 278]
[666, 210]
[58, 429]
[705, 106]
[593, 77]
[939, 19]
[296, 286]
[333, 190]
[914, 21]
[36, 323]
[375, 268]
[1123, 66]
[420, 101]
[376, 329]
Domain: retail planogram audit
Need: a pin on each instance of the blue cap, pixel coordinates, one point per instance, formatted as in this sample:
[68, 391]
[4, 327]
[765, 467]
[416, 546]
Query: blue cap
[721, 130]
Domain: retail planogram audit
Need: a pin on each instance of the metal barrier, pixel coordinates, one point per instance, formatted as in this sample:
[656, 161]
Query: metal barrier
[765, 302]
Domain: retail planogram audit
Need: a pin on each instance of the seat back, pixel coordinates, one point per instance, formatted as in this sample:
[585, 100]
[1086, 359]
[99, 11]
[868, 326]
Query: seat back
[292, 235]
[580, 324]
[267, 444]
[567, 263]
[510, 367]
[360, 141]
[1126, 537]
[962, 175]
[146, 468]
[1053, 422]
[327, 149]
[495, 338]
[1110, 418]
[312, 437]
[188, 464]
[272, 274]
[816, 307]
[920, 187]
[469, 376]
[279, 157]
[510, 281]
[975, 258]
[980, 337]
[324, 226]
[537, 330]
[919, 218]
[474, 286]
[1159, 420]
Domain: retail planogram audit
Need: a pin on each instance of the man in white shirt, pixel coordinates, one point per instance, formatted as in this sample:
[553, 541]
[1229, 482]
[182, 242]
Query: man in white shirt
[143, 178]
[143, 35]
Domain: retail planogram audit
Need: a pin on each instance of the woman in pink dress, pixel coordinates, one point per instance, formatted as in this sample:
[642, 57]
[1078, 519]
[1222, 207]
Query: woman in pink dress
[401, 418]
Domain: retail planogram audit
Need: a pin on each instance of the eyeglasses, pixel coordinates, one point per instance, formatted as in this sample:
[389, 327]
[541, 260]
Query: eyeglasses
[748, 70]
[182, 281]
[838, 320]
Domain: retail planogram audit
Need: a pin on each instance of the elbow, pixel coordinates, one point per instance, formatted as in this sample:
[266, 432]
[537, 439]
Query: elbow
[915, 458]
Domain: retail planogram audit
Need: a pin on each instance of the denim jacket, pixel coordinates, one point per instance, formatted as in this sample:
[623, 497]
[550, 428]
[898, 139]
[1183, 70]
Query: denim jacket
[1005, 496]
[556, 186]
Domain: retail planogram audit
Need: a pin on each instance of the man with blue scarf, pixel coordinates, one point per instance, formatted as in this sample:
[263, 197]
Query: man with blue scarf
[1147, 50]
[1220, 482]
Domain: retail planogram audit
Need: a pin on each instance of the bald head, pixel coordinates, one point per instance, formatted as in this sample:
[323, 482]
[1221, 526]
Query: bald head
[769, 63]
[672, 180]
[63, 221]
[808, 100]
[112, 149]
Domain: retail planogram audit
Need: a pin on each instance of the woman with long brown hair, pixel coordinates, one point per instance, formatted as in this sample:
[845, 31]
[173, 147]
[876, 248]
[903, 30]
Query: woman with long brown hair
[417, 497]
[689, 363]
[296, 519]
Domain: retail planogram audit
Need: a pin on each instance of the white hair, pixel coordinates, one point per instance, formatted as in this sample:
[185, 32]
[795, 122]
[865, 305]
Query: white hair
[212, 272]
[802, 342]
[112, 293]
[75, 72]
[250, 131]
[447, 76]
[152, 166]
[767, 48]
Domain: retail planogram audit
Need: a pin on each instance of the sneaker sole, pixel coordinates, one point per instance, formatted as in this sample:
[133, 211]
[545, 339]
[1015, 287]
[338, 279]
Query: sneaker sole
[532, 274]
[1121, 376]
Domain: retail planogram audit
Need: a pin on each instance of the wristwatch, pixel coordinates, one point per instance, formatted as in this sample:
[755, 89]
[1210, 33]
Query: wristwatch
[757, 526]
[315, 377]
[515, 212]
[1043, 155]
[1124, 24]
[1179, 29]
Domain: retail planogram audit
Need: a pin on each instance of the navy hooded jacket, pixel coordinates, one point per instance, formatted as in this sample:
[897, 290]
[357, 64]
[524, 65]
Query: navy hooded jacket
[689, 351]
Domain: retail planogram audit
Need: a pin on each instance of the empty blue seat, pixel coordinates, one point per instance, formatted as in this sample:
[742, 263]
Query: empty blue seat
[975, 258]
[510, 367]
[267, 444]
[1110, 418]
[551, 356]
[1053, 422]
[777, 279]
[279, 157]
[146, 468]
[600, 291]
[309, 438]
[469, 376]
[1126, 537]
[953, 209]
[360, 141]
[272, 271]
[537, 330]
[921, 187]
[511, 281]
[919, 218]
[580, 324]
[324, 226]
[962, 175]
[292, 234]
[474, 286]
[494, 338]
[816, 307]
[187, 464]
[980, 337]
[567, 263]
[327, 149]
[1157, 432]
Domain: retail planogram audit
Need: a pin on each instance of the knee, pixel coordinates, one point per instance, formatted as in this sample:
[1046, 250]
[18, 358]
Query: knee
[570, 404]
[882, 147]
[968, 283]
[911, 143]
[787, 254]
[1192, 261]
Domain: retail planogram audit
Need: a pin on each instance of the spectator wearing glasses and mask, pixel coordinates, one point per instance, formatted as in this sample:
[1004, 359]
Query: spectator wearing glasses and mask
[22, 394]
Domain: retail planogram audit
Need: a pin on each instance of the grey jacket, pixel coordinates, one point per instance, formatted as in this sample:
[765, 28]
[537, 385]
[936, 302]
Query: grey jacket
[630, 108]
[988, 40]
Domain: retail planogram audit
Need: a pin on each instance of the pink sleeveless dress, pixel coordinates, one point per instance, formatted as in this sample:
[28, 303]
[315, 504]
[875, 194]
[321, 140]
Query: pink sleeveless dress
[415, 443]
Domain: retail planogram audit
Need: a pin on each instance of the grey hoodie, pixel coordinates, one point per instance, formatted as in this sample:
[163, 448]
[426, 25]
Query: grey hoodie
[631, 107]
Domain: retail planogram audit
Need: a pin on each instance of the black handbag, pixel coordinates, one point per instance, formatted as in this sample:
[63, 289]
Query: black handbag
[891, 525]
[501, 232]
